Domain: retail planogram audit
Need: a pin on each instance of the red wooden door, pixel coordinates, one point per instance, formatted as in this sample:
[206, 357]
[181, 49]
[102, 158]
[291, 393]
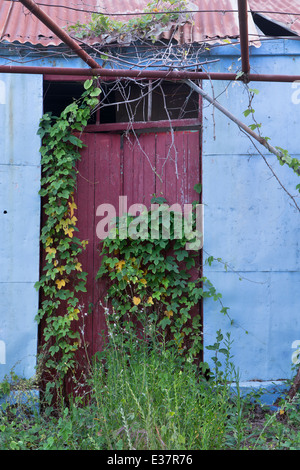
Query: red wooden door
[138, 167]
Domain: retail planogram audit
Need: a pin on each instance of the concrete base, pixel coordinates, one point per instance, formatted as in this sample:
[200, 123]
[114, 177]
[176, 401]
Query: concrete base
[265, 393]
[29, 398]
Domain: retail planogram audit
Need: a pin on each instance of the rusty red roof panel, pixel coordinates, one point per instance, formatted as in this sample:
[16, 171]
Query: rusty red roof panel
[215, 19]
[285, 12]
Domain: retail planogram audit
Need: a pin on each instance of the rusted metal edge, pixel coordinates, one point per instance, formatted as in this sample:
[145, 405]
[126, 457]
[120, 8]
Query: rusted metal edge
[146, 74]
[44, 18]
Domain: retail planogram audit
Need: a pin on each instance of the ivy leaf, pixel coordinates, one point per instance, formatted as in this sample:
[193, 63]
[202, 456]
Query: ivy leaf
[198, 188]
[158, 200]
[254, 90]
[88, 84]
[136, 300]
[248, 111]
[164, 322]
[71, 108]
[60, 283]
[181, 255]
[75, 141]
[96, 92]
[81, 287]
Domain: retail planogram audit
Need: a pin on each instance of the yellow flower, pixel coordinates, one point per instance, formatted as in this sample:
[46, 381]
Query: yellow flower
[169, 313]
[155, 10]
[281, 412]
[60, 283]
[150, 301]
[136, 300]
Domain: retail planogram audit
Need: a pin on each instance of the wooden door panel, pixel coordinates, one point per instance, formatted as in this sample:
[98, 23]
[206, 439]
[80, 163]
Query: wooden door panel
[113, 165]
[84, 199]
[178, 164]
[108, 187]
[139, 168]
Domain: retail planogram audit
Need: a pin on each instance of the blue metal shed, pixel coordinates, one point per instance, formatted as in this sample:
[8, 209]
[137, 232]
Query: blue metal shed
[251, 222]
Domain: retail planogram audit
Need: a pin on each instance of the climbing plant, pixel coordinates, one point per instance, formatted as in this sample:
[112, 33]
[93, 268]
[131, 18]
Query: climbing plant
[153, 21]
[62, 278]
[154, 282]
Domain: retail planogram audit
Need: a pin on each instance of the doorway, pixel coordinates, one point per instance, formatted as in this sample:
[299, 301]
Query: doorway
[143, 140]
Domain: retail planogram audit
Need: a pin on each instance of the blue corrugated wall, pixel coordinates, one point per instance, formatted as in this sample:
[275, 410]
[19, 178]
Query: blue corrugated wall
[250, 221]
[20, 111]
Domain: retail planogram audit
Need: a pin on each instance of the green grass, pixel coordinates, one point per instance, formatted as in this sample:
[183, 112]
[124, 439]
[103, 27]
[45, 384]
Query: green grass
[145, 397]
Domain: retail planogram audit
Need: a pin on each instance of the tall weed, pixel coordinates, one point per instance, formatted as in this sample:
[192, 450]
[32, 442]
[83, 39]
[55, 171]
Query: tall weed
[150, 397]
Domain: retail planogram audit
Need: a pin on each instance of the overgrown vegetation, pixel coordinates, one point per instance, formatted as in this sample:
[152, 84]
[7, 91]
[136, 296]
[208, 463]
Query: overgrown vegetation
[156, 18]
[143, 398]
[149, 274]
[62, 276]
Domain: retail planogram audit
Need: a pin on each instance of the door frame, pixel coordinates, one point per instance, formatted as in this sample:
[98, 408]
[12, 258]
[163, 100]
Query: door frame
[191, 123]
[146, 126]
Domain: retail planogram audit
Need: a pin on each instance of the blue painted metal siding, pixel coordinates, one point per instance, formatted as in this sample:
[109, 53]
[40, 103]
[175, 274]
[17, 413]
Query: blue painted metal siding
[250, 222]
[20, 111]
[21, 107]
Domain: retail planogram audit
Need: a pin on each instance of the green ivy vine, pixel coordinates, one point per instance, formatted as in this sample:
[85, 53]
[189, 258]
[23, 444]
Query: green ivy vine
[149, 280]
[62, 278]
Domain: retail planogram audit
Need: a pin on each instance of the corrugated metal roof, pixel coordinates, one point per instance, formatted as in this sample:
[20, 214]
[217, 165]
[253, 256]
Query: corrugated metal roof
[18, 24]
[214, 20]
[283, 12]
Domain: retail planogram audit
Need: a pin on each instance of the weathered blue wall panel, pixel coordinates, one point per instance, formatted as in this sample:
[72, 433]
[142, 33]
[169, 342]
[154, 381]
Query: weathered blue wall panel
[20, 111]
[265, 317]
[250, 221]
[18, 328]
[20, 223]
